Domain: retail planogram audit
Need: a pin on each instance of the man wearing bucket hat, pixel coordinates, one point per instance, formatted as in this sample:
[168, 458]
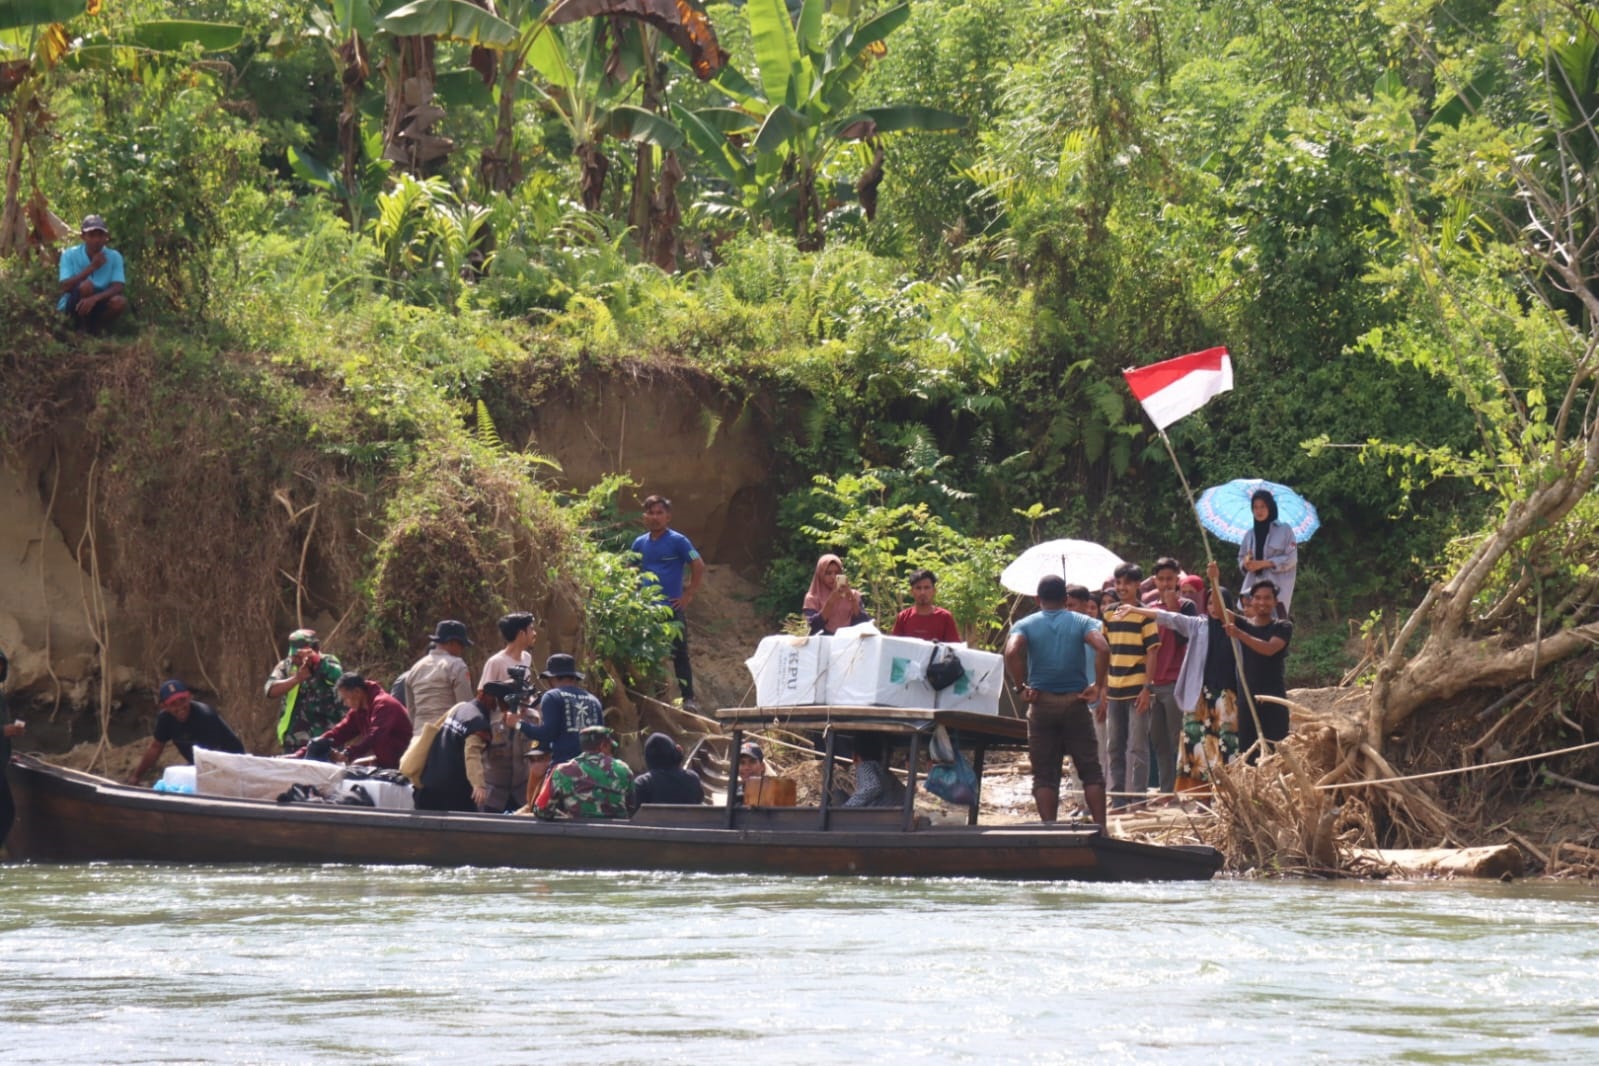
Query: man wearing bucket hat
[440, 680]
[91, 278]
[187, 723]
[596, 784]
[565, 710]
[306, 681]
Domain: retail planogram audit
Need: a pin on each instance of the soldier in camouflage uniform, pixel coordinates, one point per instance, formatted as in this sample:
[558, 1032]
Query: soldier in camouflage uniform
[307, 683]
[596, 784]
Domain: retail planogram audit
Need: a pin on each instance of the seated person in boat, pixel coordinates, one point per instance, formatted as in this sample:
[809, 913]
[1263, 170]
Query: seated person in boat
[594, 785]
[830, 603]
[187, 723]
[453, 778]
[875, 786]
[666, 781]
[537, 759]
[377, 726]
[305, 682]
[923, 619]
[565, 710]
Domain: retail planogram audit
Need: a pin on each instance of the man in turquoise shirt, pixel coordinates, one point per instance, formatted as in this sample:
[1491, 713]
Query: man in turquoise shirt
[91, 278]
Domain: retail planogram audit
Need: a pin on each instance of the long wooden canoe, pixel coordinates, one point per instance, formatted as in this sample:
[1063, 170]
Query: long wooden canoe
[68, 816]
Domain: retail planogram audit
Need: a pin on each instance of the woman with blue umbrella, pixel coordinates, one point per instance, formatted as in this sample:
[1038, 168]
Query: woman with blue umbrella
[1268, 522]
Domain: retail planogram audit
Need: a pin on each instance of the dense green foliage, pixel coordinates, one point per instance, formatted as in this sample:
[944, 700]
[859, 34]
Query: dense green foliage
[1132, 181]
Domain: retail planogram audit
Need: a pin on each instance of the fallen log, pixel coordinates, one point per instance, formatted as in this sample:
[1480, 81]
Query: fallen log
[1496, 862]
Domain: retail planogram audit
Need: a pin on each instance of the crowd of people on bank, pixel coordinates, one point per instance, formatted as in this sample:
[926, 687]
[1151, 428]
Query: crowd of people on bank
[1171, 664]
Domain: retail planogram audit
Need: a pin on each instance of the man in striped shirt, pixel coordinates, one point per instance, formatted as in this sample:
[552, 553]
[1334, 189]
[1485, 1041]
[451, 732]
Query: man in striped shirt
[1133, 643]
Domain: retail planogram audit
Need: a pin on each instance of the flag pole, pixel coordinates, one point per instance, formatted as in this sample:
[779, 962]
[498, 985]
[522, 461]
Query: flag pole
[1167, 391]
[1204, 538]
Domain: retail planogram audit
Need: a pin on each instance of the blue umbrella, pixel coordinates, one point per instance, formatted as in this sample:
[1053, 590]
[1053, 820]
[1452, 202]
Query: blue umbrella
[1225, 509]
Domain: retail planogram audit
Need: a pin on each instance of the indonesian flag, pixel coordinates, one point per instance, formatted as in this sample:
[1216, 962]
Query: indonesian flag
[1181, 386]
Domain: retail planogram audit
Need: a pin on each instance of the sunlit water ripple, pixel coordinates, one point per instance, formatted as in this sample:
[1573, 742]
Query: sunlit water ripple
[165, 964]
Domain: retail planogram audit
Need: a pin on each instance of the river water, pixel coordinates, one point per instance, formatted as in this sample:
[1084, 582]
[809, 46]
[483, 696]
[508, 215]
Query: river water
[164, 964]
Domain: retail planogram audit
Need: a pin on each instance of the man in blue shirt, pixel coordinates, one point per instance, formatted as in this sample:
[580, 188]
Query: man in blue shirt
[91, 278]
[1048, 650]
[666, 553]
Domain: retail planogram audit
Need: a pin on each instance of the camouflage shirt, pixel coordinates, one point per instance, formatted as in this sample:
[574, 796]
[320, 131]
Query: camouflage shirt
[593, 785]
[310, 708]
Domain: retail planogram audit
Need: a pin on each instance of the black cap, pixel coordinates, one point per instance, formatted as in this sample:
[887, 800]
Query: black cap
[753, 750]
[500, 690]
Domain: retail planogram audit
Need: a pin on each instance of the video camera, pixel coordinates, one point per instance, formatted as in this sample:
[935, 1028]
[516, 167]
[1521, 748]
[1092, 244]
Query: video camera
[526, 694]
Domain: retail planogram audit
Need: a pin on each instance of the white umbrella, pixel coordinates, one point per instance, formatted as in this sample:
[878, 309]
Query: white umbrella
[1080, 562]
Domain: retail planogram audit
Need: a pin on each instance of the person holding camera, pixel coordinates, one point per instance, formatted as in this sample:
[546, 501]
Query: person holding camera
[503, 763]
[565, 710]
[830, 602]
[306, 683]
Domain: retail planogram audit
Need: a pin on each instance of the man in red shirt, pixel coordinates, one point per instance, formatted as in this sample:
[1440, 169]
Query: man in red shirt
[923, 620]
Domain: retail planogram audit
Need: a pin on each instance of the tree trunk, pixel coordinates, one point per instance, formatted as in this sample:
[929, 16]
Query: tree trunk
[499, 167]
[13, 227]
[409, 114]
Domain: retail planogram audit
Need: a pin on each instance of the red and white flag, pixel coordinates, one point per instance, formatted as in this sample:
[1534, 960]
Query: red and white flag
[1181, 386]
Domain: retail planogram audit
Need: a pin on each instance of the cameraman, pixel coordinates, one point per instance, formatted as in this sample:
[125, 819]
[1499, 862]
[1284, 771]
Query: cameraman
[505, 771]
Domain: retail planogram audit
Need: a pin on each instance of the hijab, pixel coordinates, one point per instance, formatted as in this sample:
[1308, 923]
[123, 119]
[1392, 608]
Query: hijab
[843, 609]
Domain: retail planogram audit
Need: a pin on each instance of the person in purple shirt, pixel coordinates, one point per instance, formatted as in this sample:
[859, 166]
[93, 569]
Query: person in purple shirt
[92, 279]
[666, 553]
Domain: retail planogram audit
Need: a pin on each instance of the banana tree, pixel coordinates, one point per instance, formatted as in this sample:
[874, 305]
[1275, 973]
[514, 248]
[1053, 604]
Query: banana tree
[34, 42]
[774, 144]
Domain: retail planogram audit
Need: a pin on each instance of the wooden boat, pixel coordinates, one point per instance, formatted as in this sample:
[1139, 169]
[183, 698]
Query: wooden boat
[68, 816]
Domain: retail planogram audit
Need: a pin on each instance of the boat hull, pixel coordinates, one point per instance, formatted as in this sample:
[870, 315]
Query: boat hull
[65, 816]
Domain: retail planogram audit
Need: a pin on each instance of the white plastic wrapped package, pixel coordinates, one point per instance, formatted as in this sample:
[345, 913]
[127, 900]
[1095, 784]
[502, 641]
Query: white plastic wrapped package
[866, 668]
[978, 690]
[790, 671]
[255, 777]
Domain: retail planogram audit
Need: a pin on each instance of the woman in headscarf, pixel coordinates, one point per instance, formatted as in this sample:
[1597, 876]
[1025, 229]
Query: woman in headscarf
[830, 603]
[1268, 552]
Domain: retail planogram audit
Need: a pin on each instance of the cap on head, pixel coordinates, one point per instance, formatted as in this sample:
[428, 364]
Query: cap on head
[304, 638]
[752, 750]
[592, 738]
[170, 691]
[93, 224]
[449, 629]
[561, 665]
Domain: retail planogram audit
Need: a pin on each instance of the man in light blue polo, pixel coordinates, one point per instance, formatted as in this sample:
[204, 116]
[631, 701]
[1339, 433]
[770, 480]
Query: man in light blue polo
[91, 277]
[666, 553]
[1046, 660]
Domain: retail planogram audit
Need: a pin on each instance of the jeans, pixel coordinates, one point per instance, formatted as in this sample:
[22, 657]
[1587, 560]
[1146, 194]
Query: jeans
[1127, 741]
[1166, 730]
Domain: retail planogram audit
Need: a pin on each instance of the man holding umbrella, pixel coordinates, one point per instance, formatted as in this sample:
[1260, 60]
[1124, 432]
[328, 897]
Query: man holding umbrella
[1046, 661]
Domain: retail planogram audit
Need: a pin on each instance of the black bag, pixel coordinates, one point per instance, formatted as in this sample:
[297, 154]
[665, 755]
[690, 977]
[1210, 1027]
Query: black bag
[944, 667]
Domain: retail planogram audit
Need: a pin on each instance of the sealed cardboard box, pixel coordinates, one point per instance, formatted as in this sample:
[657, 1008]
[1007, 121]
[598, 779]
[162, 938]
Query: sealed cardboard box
[790, 671]
[978, 690]
[869, 669]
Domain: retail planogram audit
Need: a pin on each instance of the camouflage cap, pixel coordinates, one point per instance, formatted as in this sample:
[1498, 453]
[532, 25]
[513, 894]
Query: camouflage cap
[597, 731]
[303, 638]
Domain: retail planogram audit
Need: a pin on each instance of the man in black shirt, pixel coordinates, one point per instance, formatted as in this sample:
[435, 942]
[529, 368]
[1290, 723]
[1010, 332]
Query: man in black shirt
[454, 779]
[1263, 642]
[187, 723]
